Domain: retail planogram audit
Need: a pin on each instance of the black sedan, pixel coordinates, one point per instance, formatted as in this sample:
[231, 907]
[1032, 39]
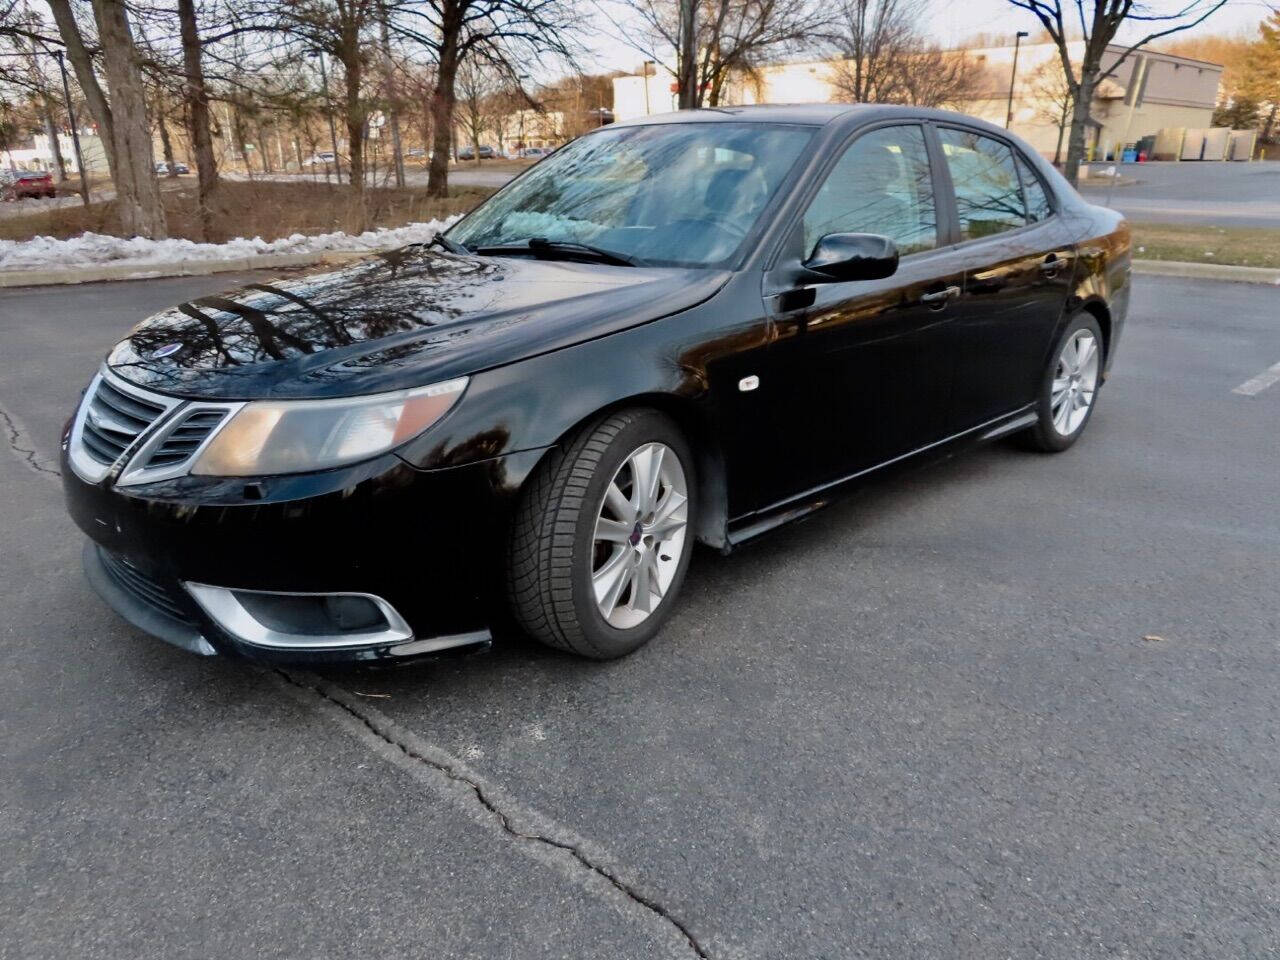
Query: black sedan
[685, 328]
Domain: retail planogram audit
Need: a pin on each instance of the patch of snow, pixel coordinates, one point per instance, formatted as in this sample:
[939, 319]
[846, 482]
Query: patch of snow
[48, 253]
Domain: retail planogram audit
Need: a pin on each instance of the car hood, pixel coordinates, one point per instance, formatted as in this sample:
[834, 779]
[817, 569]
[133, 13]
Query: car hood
[405, 318]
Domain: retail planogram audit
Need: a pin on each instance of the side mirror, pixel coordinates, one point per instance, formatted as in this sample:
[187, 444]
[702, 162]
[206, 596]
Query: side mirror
[852, 256]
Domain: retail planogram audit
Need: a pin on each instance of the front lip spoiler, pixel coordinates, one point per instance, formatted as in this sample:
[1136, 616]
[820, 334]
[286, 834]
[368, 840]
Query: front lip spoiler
[191, 638]
[143, 616]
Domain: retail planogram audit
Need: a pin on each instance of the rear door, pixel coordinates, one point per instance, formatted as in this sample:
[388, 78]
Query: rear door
[1018, 267]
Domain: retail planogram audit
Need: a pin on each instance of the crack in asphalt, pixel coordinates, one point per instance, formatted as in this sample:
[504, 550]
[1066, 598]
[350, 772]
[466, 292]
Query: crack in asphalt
[383, 729]
[23, 447]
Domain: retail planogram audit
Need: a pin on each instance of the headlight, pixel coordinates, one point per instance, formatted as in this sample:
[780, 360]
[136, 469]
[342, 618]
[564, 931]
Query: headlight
[294, 436]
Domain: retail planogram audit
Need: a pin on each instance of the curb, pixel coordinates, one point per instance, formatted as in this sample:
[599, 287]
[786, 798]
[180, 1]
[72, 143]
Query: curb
[1207, 271]
[176, 268]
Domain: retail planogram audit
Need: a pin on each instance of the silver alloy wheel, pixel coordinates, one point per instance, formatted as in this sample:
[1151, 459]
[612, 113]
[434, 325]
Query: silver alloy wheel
[1075, 381]
[640, 535]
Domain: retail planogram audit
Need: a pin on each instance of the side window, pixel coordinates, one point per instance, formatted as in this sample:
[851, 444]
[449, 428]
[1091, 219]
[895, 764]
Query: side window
[988, 191]
[1038, 207]
[881, 185]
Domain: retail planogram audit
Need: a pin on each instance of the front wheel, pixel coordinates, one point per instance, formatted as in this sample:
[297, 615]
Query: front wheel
[603, 536]
[1069, 390]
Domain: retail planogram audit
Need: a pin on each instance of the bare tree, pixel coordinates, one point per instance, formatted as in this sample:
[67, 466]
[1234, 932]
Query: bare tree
[475, 87]
[874, 39]
[885, 58]
[196, 103]
[731, 35]
[500, 34]
[933, 77]
[82, 64]
[389, 93]
[1098, 21]
[137, 192]
[1053, 96]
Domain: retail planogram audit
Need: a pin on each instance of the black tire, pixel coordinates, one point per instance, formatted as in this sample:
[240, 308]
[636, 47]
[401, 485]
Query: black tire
[552, 538]
[1044, 436]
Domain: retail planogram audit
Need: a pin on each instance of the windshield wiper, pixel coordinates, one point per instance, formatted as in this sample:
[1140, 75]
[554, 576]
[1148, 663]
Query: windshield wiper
[543, 248]
[453, 246]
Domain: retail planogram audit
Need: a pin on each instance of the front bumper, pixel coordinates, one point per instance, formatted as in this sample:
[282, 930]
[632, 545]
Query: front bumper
[428, 543]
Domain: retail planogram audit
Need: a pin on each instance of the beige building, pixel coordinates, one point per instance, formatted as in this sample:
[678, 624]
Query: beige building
[1149, 92]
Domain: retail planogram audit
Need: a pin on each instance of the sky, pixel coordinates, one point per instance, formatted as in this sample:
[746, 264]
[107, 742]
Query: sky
[951, 22]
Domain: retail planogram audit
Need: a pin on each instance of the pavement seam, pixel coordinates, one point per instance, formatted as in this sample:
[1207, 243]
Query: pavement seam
[494, 809]
[23, 446]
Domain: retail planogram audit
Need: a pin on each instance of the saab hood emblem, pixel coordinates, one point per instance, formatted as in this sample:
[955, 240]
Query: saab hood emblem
[168, 350]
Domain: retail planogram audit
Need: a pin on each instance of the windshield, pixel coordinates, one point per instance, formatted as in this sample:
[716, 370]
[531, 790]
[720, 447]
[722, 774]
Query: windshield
[682, 194]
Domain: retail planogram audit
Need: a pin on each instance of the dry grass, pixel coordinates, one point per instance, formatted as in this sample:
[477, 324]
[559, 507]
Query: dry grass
[267, 209]
[1243, 246]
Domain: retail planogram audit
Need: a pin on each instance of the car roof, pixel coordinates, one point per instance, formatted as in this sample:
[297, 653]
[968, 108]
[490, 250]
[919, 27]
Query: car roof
[809, 114]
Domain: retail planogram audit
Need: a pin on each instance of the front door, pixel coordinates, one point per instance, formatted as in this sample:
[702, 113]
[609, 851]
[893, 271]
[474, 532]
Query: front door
[860, 372]
[1017, 277]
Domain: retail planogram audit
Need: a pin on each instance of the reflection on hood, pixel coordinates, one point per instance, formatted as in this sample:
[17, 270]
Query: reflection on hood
[394, 320]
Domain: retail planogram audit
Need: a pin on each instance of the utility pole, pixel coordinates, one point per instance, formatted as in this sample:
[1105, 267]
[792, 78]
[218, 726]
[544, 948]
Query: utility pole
[328, 109]
[1017, 42]
[75, 133]
[647, 65]
[688, 79]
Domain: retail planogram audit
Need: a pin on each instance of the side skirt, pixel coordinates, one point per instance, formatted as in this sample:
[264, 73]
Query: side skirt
[761, 521]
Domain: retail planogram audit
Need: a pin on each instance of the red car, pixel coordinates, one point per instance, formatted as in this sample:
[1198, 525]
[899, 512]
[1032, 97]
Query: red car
[29, 183]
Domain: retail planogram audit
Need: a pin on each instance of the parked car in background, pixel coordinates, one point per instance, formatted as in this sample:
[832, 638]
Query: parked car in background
[533, 153]
[162, 168]
[180, 168]
[322, 159]
[469, 153]
[730, 318]
[25, 184]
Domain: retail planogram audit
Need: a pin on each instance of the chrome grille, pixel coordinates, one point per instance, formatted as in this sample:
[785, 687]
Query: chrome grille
[113, 420]
[182, 440]
[158, 435]
[155, 593]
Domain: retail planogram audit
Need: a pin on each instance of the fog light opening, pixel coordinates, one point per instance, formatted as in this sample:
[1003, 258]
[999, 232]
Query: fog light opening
[301, 620]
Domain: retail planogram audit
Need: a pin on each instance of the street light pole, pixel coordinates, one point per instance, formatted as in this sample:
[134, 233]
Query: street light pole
[75, 133]
[647, 65]
[328, 109]
[1017, 42]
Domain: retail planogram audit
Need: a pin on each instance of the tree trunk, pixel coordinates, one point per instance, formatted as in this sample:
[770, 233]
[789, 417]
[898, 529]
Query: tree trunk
[359, 220]
[166, 145]
[51, 131]
[137, 191]
[82, 64]
[197, 100]
[442, 102]
[1057, 151]
[1079, 123]
[263, 152]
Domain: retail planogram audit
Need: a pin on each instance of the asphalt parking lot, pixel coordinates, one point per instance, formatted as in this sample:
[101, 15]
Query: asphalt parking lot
[925, 723]
[1196, 192]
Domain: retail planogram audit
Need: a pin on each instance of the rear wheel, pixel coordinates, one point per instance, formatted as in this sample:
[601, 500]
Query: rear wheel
[603, 536]
[1070, 387]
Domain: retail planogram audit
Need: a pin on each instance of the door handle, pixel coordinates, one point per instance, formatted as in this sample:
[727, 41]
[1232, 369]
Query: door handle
[1051, 266]
[939, 298]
